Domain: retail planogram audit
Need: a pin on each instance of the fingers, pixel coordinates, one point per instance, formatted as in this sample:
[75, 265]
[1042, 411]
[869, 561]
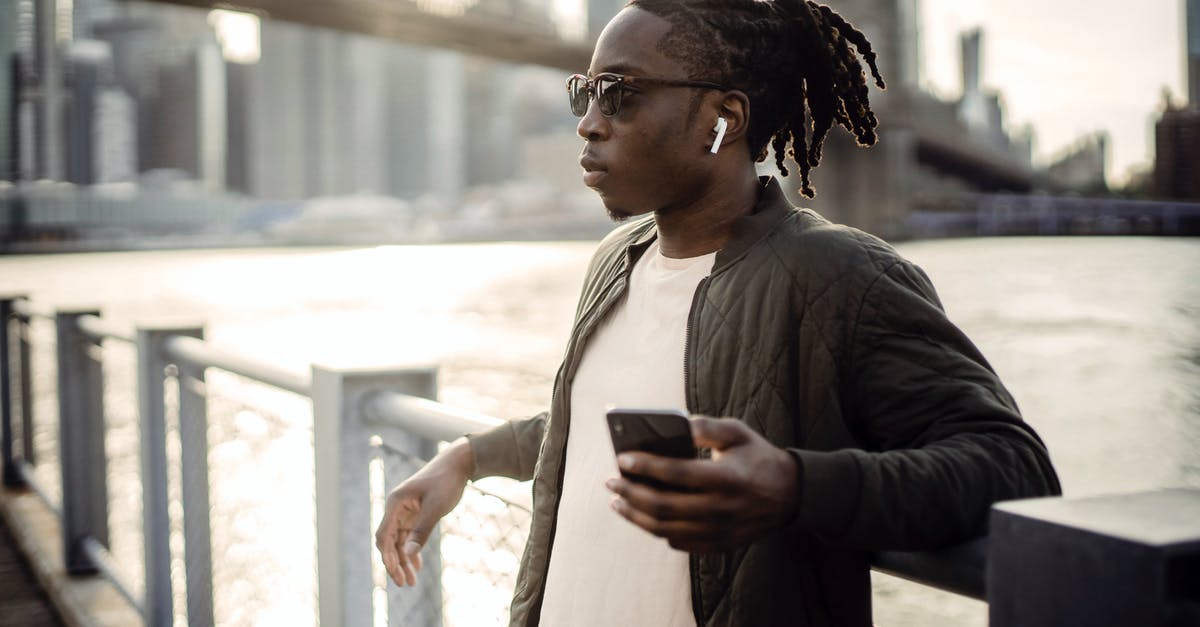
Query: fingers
[685, 474]
[399, 542]
[719, 433]
[412, 561]
[393, 546]
[387, 540]
[697, 536]
[666, 505]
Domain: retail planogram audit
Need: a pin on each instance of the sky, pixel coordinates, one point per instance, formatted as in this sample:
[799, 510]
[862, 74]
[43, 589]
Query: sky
[1067, 67]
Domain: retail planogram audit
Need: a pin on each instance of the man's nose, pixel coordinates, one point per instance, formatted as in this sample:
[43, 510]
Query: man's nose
[593, 125]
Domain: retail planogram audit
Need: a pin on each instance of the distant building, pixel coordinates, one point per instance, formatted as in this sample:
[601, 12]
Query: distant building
[102, 132]
[1177, 134]
[1177, 155]
[929, 149]
[1193, 51]
[1082, 166]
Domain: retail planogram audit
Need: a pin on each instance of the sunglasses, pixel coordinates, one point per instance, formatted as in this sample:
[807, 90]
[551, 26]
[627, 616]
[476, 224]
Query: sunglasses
[606, 89]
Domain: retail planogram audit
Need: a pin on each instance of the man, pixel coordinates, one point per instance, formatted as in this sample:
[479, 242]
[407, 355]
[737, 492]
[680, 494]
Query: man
[854, 415]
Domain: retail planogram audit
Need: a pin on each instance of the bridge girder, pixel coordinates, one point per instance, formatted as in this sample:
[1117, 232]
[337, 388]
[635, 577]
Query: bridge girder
[983, 170]
[482, 34]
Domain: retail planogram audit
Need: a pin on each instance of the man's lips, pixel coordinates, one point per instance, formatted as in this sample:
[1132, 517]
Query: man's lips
[592, 178]
[593, 171]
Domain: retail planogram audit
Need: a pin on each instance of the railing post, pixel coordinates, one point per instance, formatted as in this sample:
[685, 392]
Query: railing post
[197, 530]
[345, 539]
[81, 441]
[25, 376]
[12, 478]
[156, 521]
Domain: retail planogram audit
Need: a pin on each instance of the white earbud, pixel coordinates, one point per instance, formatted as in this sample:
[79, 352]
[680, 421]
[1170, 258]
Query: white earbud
[722, 124]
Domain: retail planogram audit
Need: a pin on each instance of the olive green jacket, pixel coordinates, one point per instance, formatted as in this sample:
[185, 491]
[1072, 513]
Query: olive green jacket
[828, 343]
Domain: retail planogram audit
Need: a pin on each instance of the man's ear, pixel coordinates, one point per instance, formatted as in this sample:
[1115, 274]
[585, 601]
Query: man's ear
[735, 108]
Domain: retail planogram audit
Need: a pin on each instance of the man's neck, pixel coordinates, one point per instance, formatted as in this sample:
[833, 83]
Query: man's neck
[705, 224]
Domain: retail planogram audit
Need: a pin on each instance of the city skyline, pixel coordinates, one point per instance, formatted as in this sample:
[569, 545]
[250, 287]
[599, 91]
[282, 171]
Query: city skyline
[1068, 67]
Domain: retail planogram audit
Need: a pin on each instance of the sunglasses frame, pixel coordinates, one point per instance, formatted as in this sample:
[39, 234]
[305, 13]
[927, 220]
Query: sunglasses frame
[620, 83]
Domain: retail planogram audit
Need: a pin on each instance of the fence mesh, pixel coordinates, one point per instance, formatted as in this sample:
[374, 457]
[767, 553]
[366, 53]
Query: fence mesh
[261, 503]
[480, 548]
[43, 405]
[122, 449]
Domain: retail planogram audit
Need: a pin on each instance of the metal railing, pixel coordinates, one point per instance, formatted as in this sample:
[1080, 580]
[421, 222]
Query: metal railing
[358, 416]
[371, 428]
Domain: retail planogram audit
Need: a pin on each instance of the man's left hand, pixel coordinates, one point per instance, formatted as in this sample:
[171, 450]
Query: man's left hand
[746, 489]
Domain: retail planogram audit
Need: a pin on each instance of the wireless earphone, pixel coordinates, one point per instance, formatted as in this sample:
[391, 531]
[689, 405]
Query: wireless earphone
[722, 124]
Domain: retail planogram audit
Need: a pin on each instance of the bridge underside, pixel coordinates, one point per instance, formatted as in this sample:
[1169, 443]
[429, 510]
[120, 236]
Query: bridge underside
[982, 170]
[481, 33]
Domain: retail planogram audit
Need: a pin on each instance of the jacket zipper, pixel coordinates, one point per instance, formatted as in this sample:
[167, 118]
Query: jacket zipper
[693, 559]
[687, 345]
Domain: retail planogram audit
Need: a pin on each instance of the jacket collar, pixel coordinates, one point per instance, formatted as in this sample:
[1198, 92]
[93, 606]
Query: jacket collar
[771, 208]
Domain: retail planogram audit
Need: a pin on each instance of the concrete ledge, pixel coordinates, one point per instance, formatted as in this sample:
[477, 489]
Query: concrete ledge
[80, 601]
[1104, 561]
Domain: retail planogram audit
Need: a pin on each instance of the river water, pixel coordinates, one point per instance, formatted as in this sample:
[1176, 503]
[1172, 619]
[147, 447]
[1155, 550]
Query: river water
[1097, 338]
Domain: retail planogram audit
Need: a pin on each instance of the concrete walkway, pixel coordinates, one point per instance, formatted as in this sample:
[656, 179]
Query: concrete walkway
[35, 589]
[22, 602]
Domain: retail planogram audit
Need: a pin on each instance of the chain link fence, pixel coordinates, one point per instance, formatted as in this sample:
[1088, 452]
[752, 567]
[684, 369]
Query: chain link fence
[479, 551]
[261, 503]
[43, 406]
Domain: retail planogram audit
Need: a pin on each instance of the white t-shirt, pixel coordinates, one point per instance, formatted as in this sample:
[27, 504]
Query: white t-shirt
[604, 570]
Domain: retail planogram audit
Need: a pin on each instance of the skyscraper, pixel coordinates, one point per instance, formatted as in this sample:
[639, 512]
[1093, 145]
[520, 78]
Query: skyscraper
[1177, 134]
[1193, 52]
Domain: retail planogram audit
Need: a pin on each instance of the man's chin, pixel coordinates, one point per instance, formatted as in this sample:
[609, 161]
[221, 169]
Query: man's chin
[618, 215]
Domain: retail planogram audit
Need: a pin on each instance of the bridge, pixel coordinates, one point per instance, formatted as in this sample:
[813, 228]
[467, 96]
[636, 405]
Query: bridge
[505, 30]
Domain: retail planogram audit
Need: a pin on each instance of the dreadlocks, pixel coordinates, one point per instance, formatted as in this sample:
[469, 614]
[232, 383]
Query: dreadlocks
[792, 58]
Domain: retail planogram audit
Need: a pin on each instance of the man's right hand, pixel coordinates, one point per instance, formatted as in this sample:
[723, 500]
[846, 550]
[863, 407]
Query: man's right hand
[416, 505]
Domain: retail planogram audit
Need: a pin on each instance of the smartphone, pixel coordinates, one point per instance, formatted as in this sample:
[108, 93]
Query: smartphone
[664, 432]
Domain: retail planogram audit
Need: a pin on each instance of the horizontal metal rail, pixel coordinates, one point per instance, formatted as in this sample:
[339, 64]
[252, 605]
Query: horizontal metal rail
[97, 328]
[426, 418]
[27, 310]
[99, 556]
[960, 569]
[25, 470]
[198, 353]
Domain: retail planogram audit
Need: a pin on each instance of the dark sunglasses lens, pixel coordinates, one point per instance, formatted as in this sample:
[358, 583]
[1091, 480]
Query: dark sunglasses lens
[608, 95]
[578, 96]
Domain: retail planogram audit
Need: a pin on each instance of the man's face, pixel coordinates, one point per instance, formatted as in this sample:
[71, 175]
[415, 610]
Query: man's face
[650, 156]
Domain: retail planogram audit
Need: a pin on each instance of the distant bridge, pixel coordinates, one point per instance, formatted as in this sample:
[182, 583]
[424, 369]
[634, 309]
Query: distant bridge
[500, 30]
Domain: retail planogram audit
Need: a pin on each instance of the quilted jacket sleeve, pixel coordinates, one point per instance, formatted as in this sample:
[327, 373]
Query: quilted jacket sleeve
[943, 439]
[508, 450]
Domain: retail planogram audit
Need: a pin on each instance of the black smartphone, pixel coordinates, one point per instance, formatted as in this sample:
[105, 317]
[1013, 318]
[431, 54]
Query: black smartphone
[664, 432]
